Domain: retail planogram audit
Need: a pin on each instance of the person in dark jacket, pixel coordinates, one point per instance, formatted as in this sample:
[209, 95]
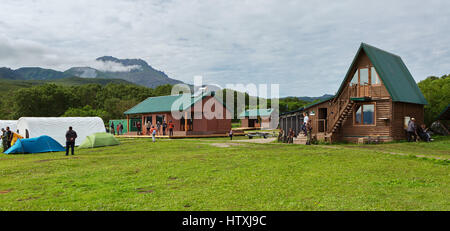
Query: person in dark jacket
[112, 128]
[422, 131]
[164, 127]
[4, 140]
[71, 135]
[9, 137]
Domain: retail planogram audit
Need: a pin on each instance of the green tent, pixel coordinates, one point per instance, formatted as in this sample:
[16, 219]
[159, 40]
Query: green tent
[100, 139]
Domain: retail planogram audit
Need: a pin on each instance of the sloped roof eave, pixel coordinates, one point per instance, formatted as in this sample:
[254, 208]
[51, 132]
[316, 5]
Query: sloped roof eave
[394, 92]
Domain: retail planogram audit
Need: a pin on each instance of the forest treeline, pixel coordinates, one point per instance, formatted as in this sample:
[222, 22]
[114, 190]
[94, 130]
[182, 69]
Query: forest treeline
[111, 100]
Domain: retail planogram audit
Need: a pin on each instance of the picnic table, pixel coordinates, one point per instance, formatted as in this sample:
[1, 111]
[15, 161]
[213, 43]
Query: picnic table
[258, 134]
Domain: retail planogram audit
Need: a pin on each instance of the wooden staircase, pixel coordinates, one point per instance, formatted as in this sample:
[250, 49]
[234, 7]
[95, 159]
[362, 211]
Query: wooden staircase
[300, 139]
[343, 115]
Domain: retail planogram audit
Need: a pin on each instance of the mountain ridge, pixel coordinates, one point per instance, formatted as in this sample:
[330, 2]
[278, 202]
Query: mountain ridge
[136, 71]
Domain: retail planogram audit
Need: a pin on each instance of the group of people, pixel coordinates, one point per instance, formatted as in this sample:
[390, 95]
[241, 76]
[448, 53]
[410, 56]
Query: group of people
[414, 132]
[9, 138]
[306, 128]
[159, 128]
[116, 129]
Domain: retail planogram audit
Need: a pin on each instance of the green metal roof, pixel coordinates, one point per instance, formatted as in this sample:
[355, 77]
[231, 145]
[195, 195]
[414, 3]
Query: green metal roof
[164, 104]
[393, 73]
[256, 113]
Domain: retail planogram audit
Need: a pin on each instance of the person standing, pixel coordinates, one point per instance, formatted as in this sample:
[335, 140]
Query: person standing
[153, 132]
[164, 127]
[231, 134]
[121, 129]
[71, 135]
[147, 128]
[305, 121]
[118, 129]
[138, 126]
[308, 132]
[170, 128]
[4, 140]
[112, 128]
[158, 127]
[412, 130]
[9, 137]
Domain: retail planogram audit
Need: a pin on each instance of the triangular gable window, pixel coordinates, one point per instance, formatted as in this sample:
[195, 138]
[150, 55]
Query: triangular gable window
[365, 76]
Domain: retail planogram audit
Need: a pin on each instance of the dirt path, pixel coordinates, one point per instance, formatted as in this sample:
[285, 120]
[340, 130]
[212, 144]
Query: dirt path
[224, 145]
[257, 141]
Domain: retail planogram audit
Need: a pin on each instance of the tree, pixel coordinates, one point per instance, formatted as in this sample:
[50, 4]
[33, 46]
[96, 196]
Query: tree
[86, 111]
[437, 93]
[45, 100]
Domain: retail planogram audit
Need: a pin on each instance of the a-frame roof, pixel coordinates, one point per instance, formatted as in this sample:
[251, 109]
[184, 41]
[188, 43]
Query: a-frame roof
[393, 73]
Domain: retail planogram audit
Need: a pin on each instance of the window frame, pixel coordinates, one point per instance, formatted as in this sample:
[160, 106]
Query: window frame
[377, 76]
[358, 72]
[362, 114]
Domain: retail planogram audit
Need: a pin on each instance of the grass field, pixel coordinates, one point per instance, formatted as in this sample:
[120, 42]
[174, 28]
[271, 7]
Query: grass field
[216, 174]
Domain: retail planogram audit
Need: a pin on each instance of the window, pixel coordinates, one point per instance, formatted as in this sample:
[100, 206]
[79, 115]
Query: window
[368, 113]
[355, 78]
[364, 76]
[358, 115]
[375, 79]
[365, 114]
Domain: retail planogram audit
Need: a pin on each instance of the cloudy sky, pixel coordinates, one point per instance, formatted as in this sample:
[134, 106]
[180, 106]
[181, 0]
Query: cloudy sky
[305, 46]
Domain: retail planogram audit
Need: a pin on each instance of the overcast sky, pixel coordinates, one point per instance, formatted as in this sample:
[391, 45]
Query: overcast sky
[305, 46]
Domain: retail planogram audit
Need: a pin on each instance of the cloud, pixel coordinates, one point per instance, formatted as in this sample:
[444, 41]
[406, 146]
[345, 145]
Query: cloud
[110, 66]
[305, 46]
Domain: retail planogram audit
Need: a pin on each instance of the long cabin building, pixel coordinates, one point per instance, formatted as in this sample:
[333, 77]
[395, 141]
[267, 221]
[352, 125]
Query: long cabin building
[192, 121]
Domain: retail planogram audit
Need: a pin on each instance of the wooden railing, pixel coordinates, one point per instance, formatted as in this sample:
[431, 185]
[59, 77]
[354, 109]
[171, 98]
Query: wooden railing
[339, 104]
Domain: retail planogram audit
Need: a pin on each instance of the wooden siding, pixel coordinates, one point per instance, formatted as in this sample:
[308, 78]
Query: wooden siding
[350, 131]
[200, 126]
[400, 111]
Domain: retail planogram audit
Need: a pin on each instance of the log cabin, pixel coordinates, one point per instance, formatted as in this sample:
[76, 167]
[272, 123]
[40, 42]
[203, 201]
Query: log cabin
[194, 120]
[256, 118]
[375, 101]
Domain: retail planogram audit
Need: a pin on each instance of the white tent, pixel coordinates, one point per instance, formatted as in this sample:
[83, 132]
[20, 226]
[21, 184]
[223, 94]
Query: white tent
[12, 124]
[56, 127]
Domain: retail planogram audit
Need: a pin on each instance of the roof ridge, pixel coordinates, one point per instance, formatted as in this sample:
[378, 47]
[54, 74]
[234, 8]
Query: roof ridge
[373, 47]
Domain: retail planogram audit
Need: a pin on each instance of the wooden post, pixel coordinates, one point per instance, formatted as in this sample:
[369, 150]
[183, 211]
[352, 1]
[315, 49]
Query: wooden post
[128, 124]
[185, 122]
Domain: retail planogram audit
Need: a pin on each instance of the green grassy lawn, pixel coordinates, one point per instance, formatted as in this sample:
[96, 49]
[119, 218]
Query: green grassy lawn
[438, 149]
[199, 174]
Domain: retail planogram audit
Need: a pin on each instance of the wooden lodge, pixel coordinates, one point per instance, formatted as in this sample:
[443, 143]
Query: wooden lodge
[375, 101]
[192, 122]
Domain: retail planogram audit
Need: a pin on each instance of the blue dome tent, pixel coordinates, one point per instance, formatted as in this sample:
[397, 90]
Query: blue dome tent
[35, 145]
